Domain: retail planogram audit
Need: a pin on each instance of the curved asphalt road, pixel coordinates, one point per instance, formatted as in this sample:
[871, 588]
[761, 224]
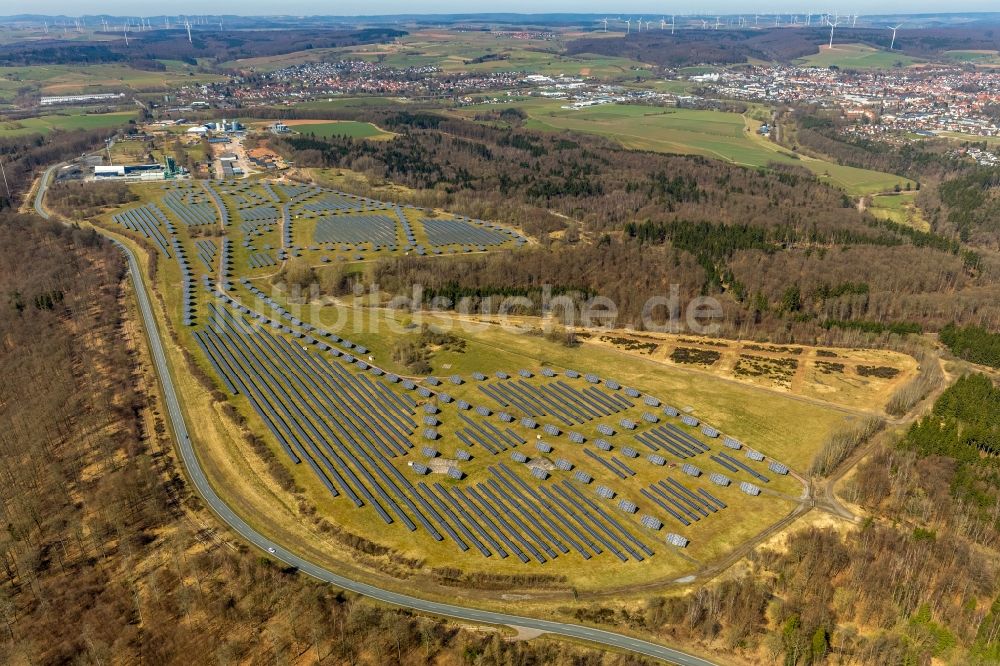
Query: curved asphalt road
[204, 488]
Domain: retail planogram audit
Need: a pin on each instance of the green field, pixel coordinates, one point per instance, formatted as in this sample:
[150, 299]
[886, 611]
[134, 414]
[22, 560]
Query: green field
[718, 134]
[988, 58]
[70, 121]
[84, 79]
[856, 56]
[899, 208]
[349, 128]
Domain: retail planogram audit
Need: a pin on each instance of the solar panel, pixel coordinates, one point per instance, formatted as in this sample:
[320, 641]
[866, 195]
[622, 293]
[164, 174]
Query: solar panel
[433, 381]
[755, 455]
[463, 405]
[429, 452]
[749, 488]
[629, 452]
[593, 379]
[455, 379]
[445, 398]
[628, 424]
[605, 429]
[677, 540]
[478, 376]
[430, 420]
[576, 438]
[418, 468]
[719, 479]
[651, 522]
[631, 392]
[548, 372]
[709, 431]
[603, 444]
[564, 464]
[524, 373]
[778, 468]
[502, 375]
[462, 454]
[528, 423]
[582, 476]
[687, 419]
[690, 470]
[544, 447]
[605, 492]
[731, 443]
[505, 417]
[482, 411]
[430, 409]
[423, 392]
[651, 401]
[456, 473]
[550, 429]
[656, 459]
[612, 384]
[518, 457]
[539, 473]
[627, 506]
[650, 418]
[572, 374]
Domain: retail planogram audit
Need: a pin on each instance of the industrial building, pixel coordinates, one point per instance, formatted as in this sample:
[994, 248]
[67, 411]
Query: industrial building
[134, 172]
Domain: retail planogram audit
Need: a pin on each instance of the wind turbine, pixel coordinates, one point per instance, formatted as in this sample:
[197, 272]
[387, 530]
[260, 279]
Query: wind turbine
[605, 25]
[894, 29]
[125, 32]
[671, 24]
[855, 22]
[663, 23]
[628, 26]
[639, 25]
[187, 24]
[833, 24]
[717, 24]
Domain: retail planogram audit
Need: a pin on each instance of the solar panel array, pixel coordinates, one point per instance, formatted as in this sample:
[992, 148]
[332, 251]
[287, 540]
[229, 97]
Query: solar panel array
[442, 231]
[147, 221]
[380, 230]
[191, 208]
[358, 428]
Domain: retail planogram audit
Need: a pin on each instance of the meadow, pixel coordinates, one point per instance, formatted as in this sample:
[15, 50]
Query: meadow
[856, 56]
[899, 208]
[718, 134]
[64, 121]
[349, 128]
[85, 79]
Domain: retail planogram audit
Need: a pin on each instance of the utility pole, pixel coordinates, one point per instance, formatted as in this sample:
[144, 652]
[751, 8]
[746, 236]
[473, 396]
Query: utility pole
[5, 183]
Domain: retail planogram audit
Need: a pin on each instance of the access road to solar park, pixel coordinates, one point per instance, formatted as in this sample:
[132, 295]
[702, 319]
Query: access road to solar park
[285, 552]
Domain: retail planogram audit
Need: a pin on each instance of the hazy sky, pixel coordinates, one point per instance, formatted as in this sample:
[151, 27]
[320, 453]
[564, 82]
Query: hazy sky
[634, 7]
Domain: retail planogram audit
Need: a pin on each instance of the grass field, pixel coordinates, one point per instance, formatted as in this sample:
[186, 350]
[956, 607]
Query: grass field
[69, 121]
[349, 128]
[899, 208]
[856, 56]
[84, 79]
[718, 134]
[980, 58]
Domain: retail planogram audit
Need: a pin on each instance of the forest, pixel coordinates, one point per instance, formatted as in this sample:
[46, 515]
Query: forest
[776, 247]
[174, 45]
[972, 343]
[698, 47]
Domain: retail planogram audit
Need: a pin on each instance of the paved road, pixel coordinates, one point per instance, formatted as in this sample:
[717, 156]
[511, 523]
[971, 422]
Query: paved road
[277, 551]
